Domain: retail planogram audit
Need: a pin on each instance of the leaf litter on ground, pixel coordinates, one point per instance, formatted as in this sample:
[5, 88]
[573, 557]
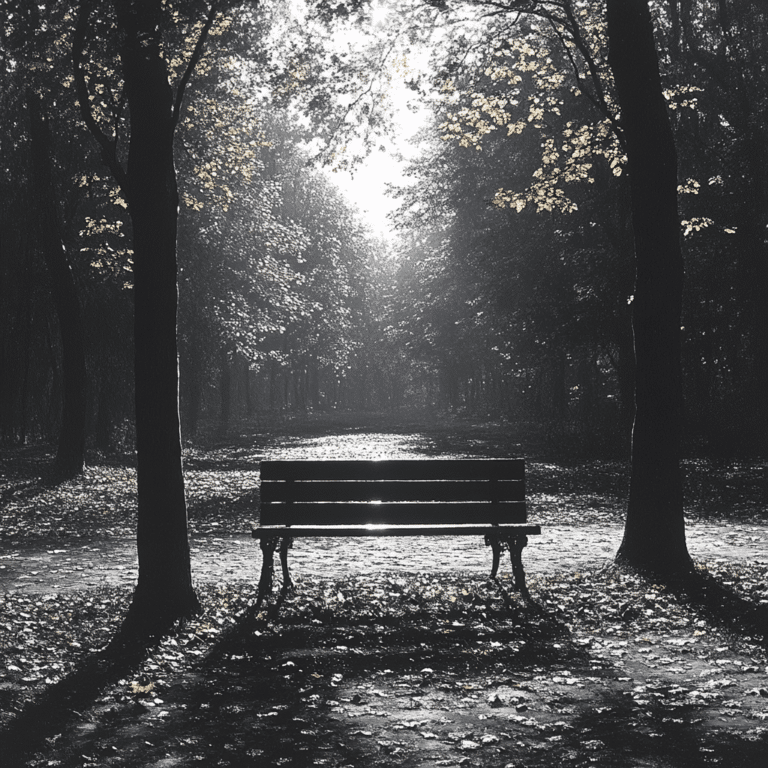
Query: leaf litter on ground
[604, 669]
[613, 669]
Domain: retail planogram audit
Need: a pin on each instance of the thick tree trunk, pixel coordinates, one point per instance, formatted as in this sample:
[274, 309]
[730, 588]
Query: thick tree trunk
[164, 591]
[71, 443]
[625, 371]
[754, 283]
[654, 535]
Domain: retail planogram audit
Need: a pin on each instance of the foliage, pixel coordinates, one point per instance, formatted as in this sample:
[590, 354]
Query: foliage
[534, 77]
[286, 303]
[36, 48]
[524, 105]
[516, 293]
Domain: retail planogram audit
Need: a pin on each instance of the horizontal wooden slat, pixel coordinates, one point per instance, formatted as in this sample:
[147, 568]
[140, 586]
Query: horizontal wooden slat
[391, 514]
[397, 469]
[405, 530]
[387, 490]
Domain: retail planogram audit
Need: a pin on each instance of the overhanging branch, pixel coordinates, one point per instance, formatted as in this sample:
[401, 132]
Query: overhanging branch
[194, 59]
[108, 145]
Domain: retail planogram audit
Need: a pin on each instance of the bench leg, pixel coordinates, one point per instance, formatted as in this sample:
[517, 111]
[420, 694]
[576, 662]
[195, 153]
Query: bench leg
[268, 547]
[516, 544]
[495, 546]
[285, 545]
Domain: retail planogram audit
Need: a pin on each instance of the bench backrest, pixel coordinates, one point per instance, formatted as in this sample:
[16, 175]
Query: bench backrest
[397, 492]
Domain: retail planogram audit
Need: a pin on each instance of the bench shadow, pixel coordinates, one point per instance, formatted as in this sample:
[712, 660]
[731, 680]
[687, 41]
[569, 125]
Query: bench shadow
[265, 692]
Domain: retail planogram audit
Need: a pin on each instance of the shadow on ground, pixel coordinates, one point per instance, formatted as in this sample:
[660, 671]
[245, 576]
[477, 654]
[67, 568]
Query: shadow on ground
[403, 671]
[63, 702]
[723, 606]
[267, 692]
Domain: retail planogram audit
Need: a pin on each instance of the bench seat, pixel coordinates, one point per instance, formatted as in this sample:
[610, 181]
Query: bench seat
[296, 531]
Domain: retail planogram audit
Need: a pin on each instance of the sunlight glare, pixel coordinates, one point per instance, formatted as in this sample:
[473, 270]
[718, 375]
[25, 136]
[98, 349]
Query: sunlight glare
[366, 187]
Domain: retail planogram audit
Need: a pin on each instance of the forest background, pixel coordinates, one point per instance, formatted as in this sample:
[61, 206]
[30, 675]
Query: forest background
[508, 288]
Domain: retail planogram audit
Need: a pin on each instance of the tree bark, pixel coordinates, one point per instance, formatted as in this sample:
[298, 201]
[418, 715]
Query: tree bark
[24, 393]
[190, 366]
[105, 411]
[225, 389]
[164, 591]
[654, 534]
[246, 383]
[71, 443]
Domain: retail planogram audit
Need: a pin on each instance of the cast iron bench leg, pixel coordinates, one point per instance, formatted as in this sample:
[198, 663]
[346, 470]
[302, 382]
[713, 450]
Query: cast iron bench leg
[495, 544]
[286, 544]
[268, 546]
[516, 544]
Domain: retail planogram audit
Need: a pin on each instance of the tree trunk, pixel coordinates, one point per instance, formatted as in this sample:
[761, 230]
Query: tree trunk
[247, 389]
[27, 352]
[654, 534]
[191, 389]
[587, 403]
[313, 376]
[559, 391]
[71, 443]
[225, 389]
[754, 282]
[164, 591]
[105, 411]
[625, 372]
[273, 384]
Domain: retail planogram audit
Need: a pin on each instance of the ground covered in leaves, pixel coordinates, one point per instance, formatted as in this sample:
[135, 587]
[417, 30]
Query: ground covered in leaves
[604, 668]
[421, 668]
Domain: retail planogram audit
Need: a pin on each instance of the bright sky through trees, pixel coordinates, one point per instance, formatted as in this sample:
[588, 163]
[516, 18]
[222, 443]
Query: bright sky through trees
[366, 187]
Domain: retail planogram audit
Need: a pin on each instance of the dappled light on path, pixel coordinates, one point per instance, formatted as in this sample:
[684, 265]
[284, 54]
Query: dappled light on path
[84, 536]
[372, 446]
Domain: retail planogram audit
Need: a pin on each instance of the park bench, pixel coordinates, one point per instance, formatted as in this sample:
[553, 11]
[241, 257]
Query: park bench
[440, 497]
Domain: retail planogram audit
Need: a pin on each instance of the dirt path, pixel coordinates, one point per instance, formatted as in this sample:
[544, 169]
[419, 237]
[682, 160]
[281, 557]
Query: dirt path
[220, 483]
[69, 566]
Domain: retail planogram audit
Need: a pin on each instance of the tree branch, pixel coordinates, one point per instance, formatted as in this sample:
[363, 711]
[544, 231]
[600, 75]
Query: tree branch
[602, 104]
[108, 145]
[193, 61]
[570, 25]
